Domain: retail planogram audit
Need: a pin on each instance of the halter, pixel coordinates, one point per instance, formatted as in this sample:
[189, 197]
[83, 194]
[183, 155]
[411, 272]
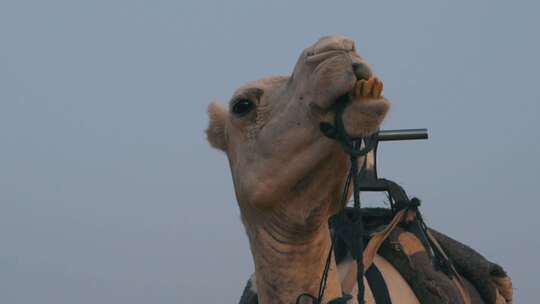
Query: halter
[349, 226]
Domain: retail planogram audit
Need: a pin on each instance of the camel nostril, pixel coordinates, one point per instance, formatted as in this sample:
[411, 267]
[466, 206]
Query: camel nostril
[361, 71]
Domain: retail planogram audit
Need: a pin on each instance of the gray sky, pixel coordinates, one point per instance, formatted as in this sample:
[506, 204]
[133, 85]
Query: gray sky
[110, 194]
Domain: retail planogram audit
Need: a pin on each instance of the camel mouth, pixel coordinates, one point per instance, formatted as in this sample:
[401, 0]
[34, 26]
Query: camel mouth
[339, 74]
[365, 93]
[366, 107]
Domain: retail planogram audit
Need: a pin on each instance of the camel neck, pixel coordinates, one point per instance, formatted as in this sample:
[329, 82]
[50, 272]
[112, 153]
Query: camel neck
[286, 266]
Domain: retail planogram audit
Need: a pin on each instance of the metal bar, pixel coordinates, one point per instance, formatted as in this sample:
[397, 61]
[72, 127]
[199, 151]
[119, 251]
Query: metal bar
[403, 134]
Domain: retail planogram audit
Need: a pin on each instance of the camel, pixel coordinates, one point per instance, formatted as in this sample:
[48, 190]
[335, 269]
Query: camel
[288, 177]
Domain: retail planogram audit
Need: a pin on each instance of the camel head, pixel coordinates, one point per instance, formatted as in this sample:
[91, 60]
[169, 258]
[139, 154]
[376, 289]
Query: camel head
[270, 131]
[288, 177]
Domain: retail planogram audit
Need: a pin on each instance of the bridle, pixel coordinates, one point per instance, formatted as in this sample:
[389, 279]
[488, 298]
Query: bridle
[349, 226]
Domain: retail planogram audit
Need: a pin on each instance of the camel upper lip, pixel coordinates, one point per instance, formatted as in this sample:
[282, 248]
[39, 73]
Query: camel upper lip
[322, 56]
[360, 69]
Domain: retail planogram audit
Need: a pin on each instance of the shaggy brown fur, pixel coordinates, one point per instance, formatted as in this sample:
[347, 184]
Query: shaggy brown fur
[489, 278]
[429, 284]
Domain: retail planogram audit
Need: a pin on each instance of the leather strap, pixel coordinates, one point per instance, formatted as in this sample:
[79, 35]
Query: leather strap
[378, 285]
[370, 250]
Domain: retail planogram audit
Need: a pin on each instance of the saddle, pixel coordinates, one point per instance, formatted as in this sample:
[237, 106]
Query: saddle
[451, 272]
[468, 277]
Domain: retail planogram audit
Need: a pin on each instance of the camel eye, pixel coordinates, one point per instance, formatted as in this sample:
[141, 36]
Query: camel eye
[243, 107]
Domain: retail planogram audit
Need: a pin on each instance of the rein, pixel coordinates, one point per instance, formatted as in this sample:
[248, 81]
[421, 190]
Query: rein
[348, 225]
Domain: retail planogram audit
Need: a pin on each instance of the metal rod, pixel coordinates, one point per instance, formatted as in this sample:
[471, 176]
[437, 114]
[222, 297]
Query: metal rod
[403, 134]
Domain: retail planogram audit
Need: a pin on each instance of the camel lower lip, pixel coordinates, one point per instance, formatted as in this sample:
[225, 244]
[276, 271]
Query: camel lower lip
[367, 106]
[373, 110]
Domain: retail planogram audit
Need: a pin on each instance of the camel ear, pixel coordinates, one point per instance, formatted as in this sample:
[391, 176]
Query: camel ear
[216, 128]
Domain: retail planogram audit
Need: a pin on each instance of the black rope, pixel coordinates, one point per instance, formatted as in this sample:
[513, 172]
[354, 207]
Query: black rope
[348, 226]
[339, 133]
[322, 285]
[305, 294]
[345, 192]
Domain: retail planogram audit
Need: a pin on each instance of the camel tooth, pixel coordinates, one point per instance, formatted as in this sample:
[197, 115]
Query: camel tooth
[367, 88]
[363, 87]
[357, 88]
[377, 88]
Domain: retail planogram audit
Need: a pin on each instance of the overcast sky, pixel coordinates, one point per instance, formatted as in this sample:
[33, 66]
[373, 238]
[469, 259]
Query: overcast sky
[109, 192]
